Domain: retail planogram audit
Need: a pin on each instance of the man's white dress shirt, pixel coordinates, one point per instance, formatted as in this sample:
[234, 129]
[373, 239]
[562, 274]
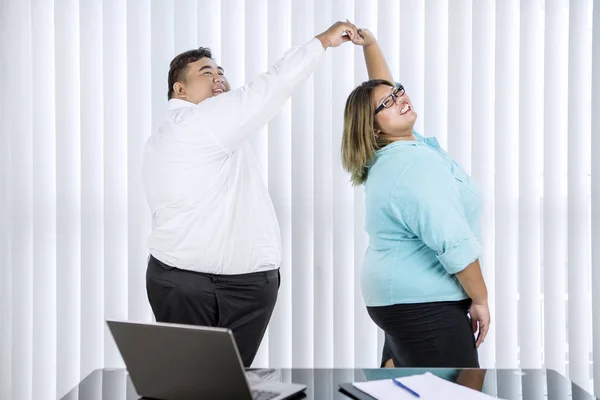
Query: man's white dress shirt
[211, 211]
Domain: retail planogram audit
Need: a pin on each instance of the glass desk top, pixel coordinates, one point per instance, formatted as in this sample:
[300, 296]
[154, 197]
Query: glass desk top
[525, 384]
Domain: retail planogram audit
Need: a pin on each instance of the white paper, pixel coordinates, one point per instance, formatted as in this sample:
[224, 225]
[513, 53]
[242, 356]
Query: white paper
[427, 385]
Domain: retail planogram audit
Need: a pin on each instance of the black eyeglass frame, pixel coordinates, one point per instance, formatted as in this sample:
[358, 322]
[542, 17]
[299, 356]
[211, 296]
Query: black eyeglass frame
[394, 95]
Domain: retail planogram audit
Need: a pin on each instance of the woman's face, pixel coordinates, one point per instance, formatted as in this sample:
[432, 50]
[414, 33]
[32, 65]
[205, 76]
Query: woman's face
[394, 115]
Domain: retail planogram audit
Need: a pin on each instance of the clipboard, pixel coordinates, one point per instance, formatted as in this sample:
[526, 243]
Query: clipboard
[350, 391]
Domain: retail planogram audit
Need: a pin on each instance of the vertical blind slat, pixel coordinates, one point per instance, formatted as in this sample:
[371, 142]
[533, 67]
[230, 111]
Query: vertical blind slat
[365, 339]
[280, 167]
[5, 208]
[506, 146]
[578, 235]
[138, 130]
[256, 44]
[115, 181]
[554, 213]
[483, 150]
[302, 175]
[92, 260]
[595, 194]
[22, 206]
[323, 175]
[68, 193]
[343, 200]
[44, 205]
[531, 122]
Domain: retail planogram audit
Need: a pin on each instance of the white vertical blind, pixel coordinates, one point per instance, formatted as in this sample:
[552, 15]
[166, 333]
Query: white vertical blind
[595, 194]
[483, 85]
[343, 201]
[504, 85]
[531, 125]
[506, 147]
[255, 37]
[280, 168]
[92, 261]
[23, 219]
[459, 82]
[435, 87]
[162, 50]
[115, 163]
[209, 28]
[68, 194]
[555, 157]
[5, 229]
[232, 42]
[365, 339]
[323, 175]
[44, 205]
[22, 207]
[388, 33]
[256, 31]
[138, 130]
[410, 29]
[303, 139]
[185, 15]
[578, 236]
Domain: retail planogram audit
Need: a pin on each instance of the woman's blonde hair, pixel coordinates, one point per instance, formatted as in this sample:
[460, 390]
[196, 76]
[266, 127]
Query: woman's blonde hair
[359, 142]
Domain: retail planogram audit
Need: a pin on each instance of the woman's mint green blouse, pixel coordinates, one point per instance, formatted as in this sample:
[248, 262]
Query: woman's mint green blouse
[423, 220]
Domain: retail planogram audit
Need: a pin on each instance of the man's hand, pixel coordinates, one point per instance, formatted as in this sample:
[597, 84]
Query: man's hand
[338, 33]
[480, 320]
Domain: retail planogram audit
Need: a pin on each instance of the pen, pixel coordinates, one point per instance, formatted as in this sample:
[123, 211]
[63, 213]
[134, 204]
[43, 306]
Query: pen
[403, 386]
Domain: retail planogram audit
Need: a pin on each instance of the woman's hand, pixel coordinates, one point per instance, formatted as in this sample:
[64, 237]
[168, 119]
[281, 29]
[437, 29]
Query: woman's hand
[480, 320]
[364, 38]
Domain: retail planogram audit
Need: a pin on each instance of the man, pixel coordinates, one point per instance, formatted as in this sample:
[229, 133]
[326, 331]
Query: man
[215, 246]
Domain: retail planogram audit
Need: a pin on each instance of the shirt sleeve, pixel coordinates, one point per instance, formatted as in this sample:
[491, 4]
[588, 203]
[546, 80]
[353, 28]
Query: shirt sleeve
[426, 200]
[233, 116]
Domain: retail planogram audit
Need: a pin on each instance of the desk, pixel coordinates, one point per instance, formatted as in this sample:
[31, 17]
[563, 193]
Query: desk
[114, 384]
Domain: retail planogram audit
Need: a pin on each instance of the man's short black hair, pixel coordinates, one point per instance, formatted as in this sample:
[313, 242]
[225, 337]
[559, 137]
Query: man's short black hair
[179, 66]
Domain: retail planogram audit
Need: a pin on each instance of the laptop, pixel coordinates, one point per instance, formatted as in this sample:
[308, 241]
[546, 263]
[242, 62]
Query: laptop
[176, 362]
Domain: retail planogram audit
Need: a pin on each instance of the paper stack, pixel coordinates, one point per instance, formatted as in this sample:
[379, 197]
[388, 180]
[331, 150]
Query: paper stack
[427, 386]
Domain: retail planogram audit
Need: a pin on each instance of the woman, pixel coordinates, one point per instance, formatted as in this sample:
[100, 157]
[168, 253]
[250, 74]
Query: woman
[421, 276]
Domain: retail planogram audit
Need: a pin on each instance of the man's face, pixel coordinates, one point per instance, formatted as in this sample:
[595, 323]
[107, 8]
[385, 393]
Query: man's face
[204, 79]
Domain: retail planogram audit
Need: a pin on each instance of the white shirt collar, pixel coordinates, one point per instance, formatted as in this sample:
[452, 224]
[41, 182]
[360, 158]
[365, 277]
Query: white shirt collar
[178, 103]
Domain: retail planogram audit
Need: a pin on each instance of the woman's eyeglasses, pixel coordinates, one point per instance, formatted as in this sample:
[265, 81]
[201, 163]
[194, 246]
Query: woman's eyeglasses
[391, 99]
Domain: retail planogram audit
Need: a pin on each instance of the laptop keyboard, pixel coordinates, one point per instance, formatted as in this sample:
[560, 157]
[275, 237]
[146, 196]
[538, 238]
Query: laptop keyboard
[262, 395]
